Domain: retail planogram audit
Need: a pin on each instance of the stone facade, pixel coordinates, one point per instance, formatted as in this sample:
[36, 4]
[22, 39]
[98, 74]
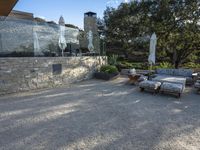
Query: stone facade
[21, 15]
[24, 74]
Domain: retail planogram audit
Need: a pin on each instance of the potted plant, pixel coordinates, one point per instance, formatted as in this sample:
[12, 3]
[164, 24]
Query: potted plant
[107, 72]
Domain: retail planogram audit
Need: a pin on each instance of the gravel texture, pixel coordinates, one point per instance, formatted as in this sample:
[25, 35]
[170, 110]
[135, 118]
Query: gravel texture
[98, 115]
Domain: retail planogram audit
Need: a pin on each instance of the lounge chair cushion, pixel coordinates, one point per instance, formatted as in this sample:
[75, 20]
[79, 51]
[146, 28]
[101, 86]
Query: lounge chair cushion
[197, 84]
[172, 87]
[175, 72]
[154, 85]
[142, 78]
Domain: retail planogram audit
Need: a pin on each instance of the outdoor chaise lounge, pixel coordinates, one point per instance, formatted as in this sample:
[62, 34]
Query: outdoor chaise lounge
[150, 85]
[173, 88]
[173, 80]
[197, 85]
[176, 74]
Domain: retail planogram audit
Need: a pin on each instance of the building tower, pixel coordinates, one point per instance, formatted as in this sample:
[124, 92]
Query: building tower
[90, 23]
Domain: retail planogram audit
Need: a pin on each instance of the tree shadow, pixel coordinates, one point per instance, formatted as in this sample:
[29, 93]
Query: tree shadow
[98, 115]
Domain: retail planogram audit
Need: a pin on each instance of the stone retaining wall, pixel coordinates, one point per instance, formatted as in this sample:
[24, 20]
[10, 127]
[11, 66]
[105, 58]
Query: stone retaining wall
[23, 74]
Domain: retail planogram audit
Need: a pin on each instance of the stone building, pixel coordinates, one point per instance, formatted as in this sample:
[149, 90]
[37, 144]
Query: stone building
[16, 35]
[21, 15]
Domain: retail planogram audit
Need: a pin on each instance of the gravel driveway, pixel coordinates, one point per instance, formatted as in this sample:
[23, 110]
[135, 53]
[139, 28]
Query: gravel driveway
[99, 115]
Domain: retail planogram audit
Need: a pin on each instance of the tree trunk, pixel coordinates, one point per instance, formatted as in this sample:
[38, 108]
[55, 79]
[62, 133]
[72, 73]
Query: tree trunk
[174, 57]
[176, 65]
[176, 61]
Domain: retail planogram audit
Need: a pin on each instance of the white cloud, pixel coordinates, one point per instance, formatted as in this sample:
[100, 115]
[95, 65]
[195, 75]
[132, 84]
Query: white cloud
[116, 2]
[112, 2]
[126, 1]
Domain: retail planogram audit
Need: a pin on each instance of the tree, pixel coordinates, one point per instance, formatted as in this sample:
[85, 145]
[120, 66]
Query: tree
[122, 26]
[176, 23]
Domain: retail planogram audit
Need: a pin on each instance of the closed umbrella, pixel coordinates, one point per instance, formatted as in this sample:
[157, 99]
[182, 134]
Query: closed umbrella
[62, 41]
[90, 41]
[152, 49]
[36, 42]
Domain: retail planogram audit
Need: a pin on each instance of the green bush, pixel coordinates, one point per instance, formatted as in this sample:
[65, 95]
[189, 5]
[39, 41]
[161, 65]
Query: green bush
[131, 65]
[191, 65]
[109, 69]
[163, 65]
[125, 65]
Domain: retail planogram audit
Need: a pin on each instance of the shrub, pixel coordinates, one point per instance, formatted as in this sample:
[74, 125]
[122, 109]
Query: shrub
[131, 65]
[108, 69]
[163, 65]
[166, 65]
[191, 65]
[125, 65]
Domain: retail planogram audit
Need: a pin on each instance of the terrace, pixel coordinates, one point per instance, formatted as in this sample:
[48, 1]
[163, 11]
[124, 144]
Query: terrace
[146, 52]
[96, 114]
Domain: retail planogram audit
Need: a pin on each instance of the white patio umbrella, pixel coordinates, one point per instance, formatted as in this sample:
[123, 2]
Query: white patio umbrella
[36, 42]
[90, 41]
[62, 41]
[152, 49]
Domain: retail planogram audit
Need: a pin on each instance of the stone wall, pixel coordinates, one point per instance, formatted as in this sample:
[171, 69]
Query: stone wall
[24, 74]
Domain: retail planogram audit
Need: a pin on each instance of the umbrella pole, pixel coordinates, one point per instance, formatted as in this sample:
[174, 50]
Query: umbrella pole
[151, 66]
[150, 69]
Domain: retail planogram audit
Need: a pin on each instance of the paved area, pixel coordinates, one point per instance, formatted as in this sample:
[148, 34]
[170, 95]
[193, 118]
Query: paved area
[98, 115]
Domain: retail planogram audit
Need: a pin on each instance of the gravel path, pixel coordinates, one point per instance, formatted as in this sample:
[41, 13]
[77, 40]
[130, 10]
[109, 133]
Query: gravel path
[97, 115]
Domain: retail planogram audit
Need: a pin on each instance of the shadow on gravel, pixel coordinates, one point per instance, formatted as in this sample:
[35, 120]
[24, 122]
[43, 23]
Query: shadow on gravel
[99, 115]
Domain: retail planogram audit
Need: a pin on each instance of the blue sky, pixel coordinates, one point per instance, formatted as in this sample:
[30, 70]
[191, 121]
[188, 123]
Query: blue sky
[71, 10]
